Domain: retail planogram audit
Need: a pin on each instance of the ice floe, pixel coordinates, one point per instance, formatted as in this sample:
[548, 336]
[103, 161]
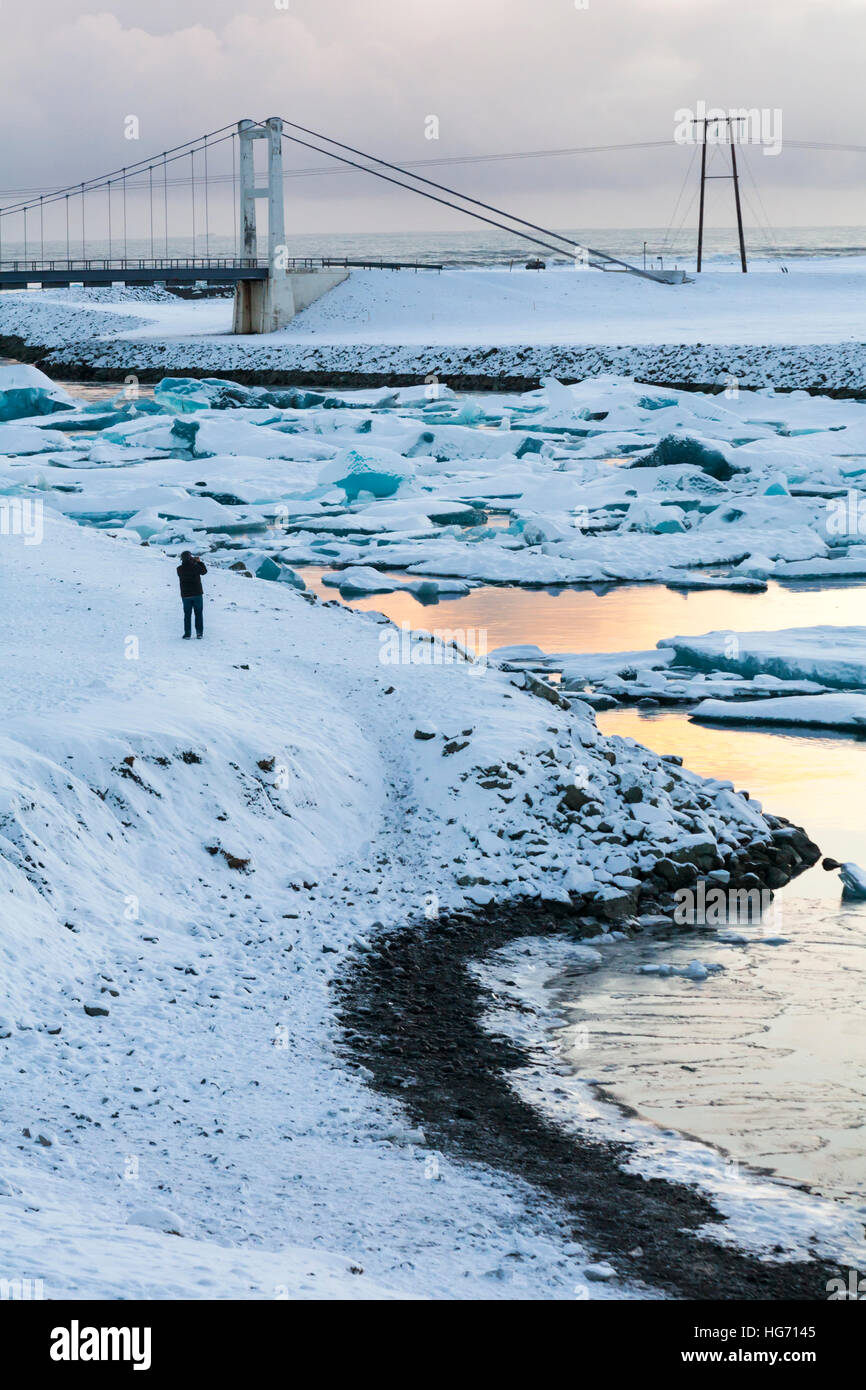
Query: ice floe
[606, 482]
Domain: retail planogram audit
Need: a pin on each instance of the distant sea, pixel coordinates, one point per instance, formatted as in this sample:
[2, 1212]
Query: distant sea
[487, 247]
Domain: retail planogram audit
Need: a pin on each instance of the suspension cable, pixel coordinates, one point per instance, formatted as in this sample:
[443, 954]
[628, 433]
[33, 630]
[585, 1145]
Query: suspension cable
[206, 207]
[525, 236]
[192, 196]
[140, 166]
[431, 183]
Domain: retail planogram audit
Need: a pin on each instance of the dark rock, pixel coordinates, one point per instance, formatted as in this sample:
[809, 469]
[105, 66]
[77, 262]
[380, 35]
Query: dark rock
[575, 798]
[673, 874]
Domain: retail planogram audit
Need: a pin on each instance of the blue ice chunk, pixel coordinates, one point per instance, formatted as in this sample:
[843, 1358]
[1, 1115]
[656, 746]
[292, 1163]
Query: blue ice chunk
[378, 472]
[26, 391]
[279, 574]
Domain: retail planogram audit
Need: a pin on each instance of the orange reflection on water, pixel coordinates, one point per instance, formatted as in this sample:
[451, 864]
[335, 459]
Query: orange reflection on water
[624, 618]
[816, 781]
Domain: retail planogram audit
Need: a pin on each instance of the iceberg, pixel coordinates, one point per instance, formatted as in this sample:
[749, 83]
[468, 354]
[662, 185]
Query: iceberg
[836, 656]
[279, 574]
[684, 449]
[27, 391]
[209, 438]
[361, 579]
[655, 517]
[379, 472]
[853, 880]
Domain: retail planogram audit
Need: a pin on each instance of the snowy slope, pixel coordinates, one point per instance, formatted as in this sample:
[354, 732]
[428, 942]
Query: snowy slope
[554, 306]
[805, 328]
[192, 837]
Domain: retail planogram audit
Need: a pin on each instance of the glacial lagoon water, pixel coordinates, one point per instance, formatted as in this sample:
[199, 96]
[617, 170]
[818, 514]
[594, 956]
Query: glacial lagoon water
[766, 1060]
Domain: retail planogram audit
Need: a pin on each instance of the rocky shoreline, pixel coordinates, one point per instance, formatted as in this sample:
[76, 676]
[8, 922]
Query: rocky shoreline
[412, 1014]
[837, 370]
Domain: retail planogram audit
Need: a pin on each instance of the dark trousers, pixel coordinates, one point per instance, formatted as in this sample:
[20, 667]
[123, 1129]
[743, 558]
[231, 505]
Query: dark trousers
[193, 604]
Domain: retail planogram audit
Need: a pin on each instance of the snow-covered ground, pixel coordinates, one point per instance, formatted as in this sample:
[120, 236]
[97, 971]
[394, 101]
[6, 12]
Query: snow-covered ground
[803, 328]
[195, 839]
[192, 841]
[814, 303]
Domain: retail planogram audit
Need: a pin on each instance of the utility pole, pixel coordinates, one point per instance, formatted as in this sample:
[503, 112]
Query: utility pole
[735, 177]
[701, 208]
[728, 121]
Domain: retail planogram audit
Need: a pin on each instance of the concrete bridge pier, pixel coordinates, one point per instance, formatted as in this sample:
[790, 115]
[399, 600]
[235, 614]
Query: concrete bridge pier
[264, 306]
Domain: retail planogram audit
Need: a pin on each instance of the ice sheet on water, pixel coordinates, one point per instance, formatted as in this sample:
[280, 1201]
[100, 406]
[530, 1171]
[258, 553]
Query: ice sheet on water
[403, 470]
[843, 713]
[836, 656]
[30, 439]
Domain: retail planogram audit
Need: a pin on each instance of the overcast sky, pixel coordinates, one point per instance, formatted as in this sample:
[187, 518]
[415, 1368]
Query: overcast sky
[500, 76]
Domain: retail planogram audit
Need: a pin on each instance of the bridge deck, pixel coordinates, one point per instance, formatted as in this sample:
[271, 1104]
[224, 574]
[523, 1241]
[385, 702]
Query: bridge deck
[220, 270]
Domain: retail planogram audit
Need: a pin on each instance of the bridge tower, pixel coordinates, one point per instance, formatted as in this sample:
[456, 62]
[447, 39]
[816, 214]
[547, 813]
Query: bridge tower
[263, 306]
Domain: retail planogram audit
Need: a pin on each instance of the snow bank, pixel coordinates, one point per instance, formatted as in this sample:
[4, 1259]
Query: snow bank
[192, 841]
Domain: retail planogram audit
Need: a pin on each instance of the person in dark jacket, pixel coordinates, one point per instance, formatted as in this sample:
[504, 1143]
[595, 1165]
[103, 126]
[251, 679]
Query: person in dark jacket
[189, 572]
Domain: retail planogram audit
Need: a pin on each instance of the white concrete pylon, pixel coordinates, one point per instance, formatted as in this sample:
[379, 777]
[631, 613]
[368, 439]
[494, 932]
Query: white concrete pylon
[247, 132]
[276, 207]
[264, 306]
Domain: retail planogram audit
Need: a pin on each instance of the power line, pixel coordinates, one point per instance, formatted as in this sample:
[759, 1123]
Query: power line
[603, 258]
[313, 171]
[415, 163]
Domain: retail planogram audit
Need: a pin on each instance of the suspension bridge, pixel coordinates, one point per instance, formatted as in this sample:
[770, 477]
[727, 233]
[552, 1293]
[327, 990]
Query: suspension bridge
[150, 223]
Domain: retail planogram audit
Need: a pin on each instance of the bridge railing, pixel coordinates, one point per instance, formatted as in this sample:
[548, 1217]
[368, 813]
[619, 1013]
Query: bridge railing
[21, 266]
[103, 263]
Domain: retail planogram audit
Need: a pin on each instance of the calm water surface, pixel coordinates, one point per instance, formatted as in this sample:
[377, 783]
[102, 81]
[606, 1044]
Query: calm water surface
[766, 1060]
